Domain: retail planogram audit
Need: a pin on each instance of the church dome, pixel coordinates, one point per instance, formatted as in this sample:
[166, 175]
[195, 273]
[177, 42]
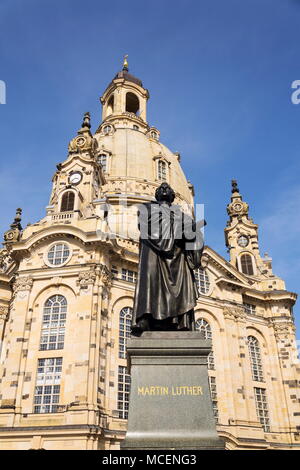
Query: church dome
[128, 77]
[134, 160]
[135, 163]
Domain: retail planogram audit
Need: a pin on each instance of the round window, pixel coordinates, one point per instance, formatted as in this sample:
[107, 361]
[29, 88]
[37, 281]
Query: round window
[107, 129]
[58, 254]
[243, 241]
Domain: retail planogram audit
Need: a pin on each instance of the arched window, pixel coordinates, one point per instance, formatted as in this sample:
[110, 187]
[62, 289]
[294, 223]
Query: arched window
[162, 170]
[110, 105]
[67, 201]
[203, 326]
[103, 161]
[247, 265]
[255, 359]
[132, 103]
[53, 324]
[202, 280]
[124, 330]
[107, 129]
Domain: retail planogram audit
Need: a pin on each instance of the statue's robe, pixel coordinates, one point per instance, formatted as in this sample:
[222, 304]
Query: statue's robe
[170, 250]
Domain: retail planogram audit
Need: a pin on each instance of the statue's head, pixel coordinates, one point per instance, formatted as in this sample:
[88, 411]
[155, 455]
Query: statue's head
[165, 193]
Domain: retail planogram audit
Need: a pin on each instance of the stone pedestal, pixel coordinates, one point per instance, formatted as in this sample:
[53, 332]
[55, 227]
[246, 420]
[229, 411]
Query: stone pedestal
[170, 405]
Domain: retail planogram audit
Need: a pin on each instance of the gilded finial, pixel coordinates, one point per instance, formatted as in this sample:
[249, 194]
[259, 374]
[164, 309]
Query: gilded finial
[125, 63]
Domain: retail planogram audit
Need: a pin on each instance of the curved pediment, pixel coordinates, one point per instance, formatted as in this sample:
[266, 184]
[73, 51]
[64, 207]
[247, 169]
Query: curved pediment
[58, 231]
[228, 273]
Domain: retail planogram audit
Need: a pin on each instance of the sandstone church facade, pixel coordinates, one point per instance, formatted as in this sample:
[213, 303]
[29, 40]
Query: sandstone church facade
[66, 296]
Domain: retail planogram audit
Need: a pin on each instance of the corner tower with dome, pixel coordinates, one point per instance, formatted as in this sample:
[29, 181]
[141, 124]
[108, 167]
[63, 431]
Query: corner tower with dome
[66, 296]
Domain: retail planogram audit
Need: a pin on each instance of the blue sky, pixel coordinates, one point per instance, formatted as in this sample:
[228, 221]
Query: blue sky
[219, 75]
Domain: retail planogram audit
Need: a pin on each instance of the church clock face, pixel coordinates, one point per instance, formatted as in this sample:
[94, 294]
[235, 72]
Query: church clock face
[75, 178]
[243, 241]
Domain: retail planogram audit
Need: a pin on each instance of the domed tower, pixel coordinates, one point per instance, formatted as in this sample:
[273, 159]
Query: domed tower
[133, 159]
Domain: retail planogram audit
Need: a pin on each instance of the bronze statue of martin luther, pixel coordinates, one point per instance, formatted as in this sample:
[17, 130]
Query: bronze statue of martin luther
[171, 246]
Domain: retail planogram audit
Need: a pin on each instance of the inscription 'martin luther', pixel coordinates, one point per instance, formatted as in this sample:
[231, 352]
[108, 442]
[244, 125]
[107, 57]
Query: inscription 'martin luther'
[173, 391]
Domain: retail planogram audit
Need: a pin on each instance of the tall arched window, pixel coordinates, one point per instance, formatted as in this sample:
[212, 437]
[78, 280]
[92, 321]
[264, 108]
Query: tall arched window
[161, 170]
[203, 326]
[247, 264]
[107, 129]
[132, 103]
[103, 160]
[255, 359]
[110, 105]
[202, 280]
[125, 330]
[53, 325]
[67, 201]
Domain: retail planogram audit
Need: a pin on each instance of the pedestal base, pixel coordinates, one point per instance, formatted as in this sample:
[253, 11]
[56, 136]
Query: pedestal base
[170, 405]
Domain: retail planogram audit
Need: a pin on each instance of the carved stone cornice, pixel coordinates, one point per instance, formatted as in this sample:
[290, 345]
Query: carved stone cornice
[235, 313]
[135, 189]
[282, 328]
[272, 295]
[23, 284]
